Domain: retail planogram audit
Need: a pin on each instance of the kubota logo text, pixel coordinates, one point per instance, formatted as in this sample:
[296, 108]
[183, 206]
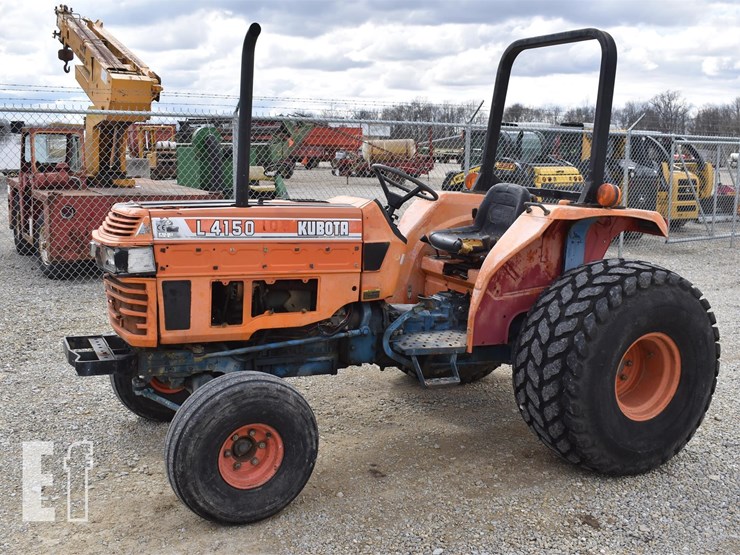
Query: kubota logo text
[323, 228]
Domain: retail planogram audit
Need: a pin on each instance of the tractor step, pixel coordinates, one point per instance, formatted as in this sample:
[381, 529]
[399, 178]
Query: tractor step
[444, 342]
[452, 379]
[432, 343]
[434, 382]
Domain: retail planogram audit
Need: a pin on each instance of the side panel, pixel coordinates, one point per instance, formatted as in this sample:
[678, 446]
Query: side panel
[379, 282]
[531, 254]
[314, 249]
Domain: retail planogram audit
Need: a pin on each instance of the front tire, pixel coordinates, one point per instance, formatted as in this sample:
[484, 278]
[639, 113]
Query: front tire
[241, 448]
[51, 270]
[675, 225]
[616, 365]
[22, 247]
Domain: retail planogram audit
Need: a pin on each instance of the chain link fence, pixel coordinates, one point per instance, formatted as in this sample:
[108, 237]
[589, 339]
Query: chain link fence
[63, 170]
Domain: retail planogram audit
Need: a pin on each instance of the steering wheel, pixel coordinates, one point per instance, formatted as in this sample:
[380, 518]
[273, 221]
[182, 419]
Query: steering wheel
[395, 201]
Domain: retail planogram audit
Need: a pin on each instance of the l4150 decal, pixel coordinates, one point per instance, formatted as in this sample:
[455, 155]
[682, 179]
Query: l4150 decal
[255, 228]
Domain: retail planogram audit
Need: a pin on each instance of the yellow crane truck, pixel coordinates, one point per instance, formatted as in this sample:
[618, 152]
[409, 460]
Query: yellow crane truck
[70, 176]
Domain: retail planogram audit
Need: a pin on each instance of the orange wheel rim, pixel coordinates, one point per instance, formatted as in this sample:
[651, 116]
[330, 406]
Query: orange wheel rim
[648, 376]
[161, 387]
[250, 456]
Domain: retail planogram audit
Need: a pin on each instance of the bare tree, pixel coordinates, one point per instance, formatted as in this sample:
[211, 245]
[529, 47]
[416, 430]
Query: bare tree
[732, 117]
[364, 113]
[521, 113]
[582, 114]
[665, 112]
[709, 120]
[627, 115]
[671, 111]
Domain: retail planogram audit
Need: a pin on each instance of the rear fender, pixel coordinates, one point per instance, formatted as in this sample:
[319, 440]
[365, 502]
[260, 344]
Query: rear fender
[534, 251]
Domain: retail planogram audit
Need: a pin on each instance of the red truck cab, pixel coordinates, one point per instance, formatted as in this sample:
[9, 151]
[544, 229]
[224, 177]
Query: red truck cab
[53, 206]
[51, 160]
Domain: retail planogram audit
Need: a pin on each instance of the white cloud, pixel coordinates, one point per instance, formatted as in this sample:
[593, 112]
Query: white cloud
[398, 50]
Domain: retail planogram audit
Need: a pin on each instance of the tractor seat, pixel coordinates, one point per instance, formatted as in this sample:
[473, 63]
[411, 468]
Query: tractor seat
[501, 206]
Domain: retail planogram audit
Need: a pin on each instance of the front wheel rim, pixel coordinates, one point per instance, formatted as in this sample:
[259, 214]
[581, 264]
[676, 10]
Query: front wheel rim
[648, 376]
[251, 456]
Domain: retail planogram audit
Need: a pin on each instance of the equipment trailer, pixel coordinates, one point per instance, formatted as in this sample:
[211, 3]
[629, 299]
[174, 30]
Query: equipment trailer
[614, 361]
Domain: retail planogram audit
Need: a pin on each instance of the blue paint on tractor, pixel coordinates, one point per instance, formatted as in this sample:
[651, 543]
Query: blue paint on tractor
[575, 247]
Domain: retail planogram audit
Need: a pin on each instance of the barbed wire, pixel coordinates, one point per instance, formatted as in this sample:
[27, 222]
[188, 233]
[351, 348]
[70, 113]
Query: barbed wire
[300, 101]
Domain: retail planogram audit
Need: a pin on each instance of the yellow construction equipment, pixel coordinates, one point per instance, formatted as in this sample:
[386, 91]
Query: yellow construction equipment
[114, 78]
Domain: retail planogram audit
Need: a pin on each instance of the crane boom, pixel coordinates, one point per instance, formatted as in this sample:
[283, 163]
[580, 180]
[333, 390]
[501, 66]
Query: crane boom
[113, 78]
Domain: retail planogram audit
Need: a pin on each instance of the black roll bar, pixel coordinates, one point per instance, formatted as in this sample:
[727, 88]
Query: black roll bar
[245, 116]
[602, 119]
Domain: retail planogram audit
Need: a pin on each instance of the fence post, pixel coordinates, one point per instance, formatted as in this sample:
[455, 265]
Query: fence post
[625, 182]
[468, 132]
[735, 204]
[669, 204]
[234, 150]
[715, 186]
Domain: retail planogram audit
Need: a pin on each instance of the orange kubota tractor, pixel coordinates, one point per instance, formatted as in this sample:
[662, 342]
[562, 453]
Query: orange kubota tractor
[614, 361]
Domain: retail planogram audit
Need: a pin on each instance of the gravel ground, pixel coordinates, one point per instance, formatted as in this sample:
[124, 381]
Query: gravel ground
[400, 469]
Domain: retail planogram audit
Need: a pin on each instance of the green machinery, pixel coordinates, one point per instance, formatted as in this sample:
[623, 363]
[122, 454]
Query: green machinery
[207, 163]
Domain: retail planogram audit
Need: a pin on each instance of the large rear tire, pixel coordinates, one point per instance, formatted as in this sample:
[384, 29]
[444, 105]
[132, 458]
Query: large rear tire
[616, 365]
[241, 448]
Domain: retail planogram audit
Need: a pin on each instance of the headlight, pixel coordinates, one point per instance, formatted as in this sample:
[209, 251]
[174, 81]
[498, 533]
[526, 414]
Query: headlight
[124, 261]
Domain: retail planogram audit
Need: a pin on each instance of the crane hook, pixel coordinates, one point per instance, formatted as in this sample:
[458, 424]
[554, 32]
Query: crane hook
[66, 55]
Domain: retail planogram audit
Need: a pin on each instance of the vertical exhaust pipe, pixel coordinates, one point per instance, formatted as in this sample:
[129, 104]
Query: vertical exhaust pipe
[245, 116]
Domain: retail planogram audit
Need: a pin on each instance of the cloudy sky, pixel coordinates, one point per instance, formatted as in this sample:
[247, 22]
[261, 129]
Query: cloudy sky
[395, 50]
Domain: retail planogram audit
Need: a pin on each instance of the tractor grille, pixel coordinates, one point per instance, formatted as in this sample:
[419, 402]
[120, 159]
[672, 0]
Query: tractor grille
[128, 302]
[121, 225]
[685, 191]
